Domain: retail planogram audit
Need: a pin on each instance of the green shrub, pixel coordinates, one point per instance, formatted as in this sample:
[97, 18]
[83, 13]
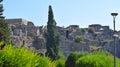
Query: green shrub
[78, 38]
[60, 63]
[90, 31]
[82, 30]
[61, 55]
[1, 43]
[21, 57]
[80, 54]
[95, 61]
[101, 53]
[71, 60]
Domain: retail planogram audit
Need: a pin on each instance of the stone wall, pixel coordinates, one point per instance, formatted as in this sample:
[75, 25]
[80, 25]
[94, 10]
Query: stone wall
[17, 21]
[32, 37]
[24, 33]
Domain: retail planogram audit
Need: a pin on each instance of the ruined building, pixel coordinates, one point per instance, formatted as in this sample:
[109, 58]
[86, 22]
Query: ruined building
[24, 33]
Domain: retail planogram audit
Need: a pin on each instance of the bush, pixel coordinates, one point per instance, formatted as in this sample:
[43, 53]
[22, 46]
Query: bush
[61, 55]
[78, 38]
[82, 30]
[21, 57]
[102, 52]
[1, 43]
[90, 31]
[70, 62]
[60, 63]
[45, 62]
[94, 61]
[97, 59]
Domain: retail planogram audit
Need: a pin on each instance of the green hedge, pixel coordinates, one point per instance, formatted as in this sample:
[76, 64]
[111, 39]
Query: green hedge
[21, 57]
[97, 59]
[60, 63]
[71, 60]
[94, 59]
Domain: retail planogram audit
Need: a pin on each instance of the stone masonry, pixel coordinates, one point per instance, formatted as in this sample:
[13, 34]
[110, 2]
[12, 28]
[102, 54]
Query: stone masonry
[25, 33]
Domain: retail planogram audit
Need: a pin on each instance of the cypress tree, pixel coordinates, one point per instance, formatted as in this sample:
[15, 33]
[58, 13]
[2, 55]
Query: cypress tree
[52, 36]
[4, 29]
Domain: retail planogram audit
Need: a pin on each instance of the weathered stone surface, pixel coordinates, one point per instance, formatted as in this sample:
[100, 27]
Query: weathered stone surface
[24, 33]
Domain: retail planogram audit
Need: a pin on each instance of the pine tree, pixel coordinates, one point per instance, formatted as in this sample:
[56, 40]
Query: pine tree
[4, 29]
[52, 37]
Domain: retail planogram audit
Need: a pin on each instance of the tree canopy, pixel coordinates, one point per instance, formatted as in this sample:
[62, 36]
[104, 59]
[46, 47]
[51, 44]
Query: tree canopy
[52, 36]
[4, 29]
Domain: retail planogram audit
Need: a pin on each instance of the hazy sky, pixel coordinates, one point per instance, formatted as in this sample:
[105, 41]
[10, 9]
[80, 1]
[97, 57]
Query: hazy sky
[66, 12]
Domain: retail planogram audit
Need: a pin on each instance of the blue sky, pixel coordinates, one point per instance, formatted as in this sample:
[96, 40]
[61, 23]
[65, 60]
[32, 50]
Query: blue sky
[66, 12]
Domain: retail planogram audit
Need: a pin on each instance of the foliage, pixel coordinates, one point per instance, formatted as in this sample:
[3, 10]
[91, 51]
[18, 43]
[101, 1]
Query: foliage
[4, 29]
[1, 43]
[70, 62]
[81, 54]
[72, 58]
[78, 38]
[52, 37]
[82, 30]
[90, 31]
[60, 63]
[97, 59]
[21, 57]
[94, 61]
[102, 52]
[61, 55]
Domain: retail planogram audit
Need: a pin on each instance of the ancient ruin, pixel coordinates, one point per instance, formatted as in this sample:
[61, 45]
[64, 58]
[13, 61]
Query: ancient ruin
[25, 33]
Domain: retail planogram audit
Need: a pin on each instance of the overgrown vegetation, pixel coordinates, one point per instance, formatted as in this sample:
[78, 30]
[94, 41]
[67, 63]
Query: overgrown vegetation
[90, 31]
[21, 57]
[60, 63]
[78, 38]
[72, 58]
[94, 59]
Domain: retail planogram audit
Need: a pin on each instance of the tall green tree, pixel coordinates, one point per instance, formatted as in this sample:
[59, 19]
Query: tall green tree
[4, 29]
[52, 36]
